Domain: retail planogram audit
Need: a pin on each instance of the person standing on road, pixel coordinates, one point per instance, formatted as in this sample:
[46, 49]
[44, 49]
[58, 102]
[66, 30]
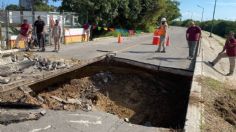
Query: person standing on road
[193, 35]
[56, 34]
[86, 31]
[230, 47]
[163, 35]
[24, 31]
[39, 28]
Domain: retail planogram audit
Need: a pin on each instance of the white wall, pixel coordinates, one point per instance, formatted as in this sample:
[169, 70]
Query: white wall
[15, 16]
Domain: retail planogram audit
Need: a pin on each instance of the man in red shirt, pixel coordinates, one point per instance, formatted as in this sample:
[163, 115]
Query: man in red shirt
[193, 35]
[230, 47]
[24, 30]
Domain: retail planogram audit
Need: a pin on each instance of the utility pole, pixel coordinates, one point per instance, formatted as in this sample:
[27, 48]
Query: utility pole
[212, 22]
[7, 29]
[33, 11]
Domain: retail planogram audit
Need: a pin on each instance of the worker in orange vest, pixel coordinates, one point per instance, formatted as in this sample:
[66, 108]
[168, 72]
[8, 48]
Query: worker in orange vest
[163, 35]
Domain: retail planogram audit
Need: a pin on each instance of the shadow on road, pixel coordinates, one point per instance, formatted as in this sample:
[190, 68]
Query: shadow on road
[139, 52]
[168, 59]
[147, 44]
[103, 51]
[213, 68]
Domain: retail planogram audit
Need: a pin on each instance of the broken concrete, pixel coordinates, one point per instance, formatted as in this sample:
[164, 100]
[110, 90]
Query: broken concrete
[7, 118]
[4, 80]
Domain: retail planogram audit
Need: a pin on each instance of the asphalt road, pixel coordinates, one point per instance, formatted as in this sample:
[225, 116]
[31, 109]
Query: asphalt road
[137, 48]
[79, 121]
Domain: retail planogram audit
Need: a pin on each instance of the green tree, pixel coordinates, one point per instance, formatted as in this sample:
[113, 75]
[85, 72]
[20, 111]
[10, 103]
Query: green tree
[13, 7]
[123, 13]
[172, 11]
[40, 5]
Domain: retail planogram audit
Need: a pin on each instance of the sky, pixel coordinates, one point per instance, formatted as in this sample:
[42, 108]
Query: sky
[7, 2]
[225, 9]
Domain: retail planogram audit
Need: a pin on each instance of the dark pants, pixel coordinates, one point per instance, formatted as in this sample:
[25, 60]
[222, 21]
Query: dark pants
[41, 40]
[192, 48]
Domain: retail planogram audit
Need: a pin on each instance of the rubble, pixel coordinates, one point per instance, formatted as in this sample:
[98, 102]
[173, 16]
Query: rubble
[126, 119]
[88, 107]
[43, 112]
[5, 80]
[21, 64]
[134, 97]
[7, 118]
[74, 101]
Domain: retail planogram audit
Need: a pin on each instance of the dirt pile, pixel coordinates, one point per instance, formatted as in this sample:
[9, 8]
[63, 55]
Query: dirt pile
[145, 100]
[219, 101]
[139, 99]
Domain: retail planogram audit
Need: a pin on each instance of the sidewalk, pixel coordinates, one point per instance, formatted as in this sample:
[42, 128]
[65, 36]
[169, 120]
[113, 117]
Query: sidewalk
[209, 50]
[199, 95]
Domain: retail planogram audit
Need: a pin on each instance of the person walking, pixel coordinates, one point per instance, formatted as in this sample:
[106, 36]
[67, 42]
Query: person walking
[163, 35]
[230, 48]
[24, 32]
[39, 28]
[56, 34]
[193, 35]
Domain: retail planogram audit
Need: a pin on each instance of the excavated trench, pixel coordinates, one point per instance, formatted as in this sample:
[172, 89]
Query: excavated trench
[143, 96]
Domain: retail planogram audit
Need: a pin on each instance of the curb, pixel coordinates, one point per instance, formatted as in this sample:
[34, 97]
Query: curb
[195, 107]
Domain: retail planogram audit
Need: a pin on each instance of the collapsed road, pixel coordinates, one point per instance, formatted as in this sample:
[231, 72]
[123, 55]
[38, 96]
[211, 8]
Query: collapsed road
[136, 94]
[134, 91]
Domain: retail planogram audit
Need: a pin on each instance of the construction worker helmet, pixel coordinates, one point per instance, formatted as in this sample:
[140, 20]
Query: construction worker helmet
[163, 19]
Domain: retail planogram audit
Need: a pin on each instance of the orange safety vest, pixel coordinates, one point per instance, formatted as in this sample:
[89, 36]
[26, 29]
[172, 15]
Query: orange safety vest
[156, 33]
[162, 30]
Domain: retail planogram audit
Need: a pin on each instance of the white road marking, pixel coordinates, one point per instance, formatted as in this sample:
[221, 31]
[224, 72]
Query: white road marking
[40, 129]
[84, 115]
[86, 123]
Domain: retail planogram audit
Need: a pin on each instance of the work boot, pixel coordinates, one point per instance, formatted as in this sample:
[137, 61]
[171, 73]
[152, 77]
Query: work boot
[43, 50]
[163, 51]
[189, 58]
[229, 74]
[211, 63]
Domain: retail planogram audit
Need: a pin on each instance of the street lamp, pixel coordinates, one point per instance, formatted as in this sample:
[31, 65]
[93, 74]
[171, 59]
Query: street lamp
[202, 11]
[212, 22]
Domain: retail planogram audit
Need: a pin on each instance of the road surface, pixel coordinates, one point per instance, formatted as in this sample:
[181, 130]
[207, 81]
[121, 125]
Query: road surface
[138, 48]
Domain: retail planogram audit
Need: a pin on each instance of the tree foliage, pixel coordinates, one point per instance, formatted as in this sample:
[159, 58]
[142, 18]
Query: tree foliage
[221, 27]
[123, 13]
[39, 5]
[13, 7]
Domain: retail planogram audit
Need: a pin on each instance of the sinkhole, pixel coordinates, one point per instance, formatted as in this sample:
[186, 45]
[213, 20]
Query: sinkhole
[144, 96]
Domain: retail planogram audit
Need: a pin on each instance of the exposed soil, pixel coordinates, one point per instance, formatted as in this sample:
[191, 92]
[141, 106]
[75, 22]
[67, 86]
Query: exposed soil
[159, 101]
[226, 107]
[127, 96]
[143, 98]
[219, 106]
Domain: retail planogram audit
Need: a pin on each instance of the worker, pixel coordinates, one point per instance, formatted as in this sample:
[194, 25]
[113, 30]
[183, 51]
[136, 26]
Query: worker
[163, 35]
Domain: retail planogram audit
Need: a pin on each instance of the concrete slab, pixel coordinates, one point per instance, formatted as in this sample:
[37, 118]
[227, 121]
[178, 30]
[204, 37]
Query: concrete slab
[138, 48]
[79, 121]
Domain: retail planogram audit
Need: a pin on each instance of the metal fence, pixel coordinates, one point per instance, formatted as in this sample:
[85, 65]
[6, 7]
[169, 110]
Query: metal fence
[10, 22]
